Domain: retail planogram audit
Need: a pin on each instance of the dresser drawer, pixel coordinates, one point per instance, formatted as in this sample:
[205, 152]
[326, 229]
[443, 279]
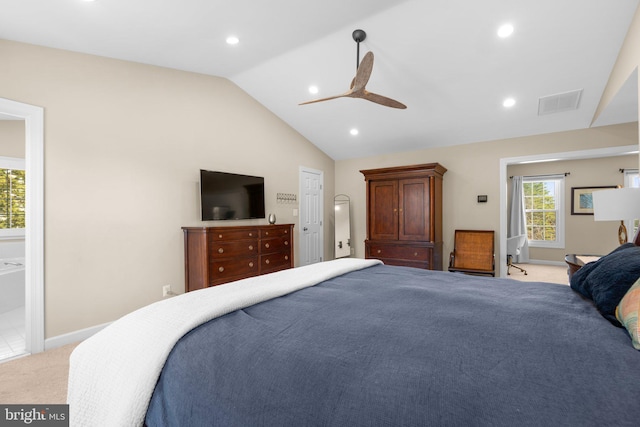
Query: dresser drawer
[406, 263]
[405, 252]
[274, 262]
[231, 268]
[221, 249]
[221, 234]
[282, 244]
[274, 231]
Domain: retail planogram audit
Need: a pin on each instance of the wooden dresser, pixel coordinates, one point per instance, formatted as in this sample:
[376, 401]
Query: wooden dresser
[404, 215]
[217, 255]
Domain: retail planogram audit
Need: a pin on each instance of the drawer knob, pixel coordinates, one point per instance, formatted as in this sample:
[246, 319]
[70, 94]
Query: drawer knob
[219, 236]
[286, 257]
[379, 250]
[286, 231]
[415, 254]
[266, 245]
[220, 251]
[221, 269]
[250, 247]
[286, 242]
[250, 234]
[251, 264]
[266, 261]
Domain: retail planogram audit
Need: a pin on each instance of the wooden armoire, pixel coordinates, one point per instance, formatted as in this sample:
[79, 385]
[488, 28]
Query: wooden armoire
[404, 215]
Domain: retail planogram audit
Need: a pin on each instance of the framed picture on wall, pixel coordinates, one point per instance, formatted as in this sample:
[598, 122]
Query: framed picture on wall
[582, 199]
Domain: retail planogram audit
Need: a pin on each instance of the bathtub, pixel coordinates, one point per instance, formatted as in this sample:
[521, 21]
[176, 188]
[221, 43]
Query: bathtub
[12, 284]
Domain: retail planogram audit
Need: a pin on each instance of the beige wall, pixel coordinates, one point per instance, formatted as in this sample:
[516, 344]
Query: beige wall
[582, 234]
[473, 169]
[12, 138]
[124, 143]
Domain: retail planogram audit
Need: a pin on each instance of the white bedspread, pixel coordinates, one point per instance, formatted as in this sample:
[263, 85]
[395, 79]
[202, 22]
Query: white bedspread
[112, 374]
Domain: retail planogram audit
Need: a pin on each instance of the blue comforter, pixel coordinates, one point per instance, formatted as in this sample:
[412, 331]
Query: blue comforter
[396, 346]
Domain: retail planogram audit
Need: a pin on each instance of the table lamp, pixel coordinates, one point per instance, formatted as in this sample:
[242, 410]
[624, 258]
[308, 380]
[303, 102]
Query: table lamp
[617, 204]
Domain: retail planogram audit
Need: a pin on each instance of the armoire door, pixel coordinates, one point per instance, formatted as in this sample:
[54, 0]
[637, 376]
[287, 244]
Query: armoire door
[415, 217]
[383, 210]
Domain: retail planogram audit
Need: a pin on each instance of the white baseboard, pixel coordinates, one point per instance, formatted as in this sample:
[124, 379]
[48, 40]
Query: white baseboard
[72, 337]
[545, 262]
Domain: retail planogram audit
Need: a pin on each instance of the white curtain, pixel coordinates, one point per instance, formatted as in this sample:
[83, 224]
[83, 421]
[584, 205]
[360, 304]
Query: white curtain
[517, 224]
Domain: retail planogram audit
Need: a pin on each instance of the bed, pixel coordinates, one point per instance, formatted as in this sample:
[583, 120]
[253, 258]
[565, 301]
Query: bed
[356, 342]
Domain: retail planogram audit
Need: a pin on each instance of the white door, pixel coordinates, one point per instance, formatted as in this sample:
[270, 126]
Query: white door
[311, 245]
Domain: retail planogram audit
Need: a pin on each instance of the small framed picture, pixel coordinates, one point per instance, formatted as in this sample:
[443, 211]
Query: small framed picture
[582, 199]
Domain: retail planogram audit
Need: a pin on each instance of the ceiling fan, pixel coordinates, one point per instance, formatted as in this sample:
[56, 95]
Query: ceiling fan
[363, 72]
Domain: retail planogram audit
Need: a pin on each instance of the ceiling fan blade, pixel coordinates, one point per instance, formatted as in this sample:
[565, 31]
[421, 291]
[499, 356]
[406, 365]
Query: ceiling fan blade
[358, 85]
[363, 73]
[326, 99]
[383, 100]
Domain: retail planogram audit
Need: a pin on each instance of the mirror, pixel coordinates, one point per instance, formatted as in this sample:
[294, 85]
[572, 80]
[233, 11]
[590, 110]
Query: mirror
[342, 241]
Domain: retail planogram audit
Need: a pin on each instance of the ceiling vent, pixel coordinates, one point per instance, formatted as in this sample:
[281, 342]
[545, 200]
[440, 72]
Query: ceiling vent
[559, 102]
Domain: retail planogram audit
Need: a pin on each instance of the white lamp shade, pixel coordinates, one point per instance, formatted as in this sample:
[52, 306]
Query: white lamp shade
[616, 204]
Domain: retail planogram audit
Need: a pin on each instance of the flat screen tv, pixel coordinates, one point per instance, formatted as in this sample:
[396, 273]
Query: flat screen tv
[231, 196]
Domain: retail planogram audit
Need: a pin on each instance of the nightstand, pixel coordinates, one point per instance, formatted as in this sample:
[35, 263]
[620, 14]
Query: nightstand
[576, 261]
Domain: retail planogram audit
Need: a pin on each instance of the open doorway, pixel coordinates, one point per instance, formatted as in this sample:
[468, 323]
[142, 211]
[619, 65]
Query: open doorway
[34, 220]
[12, 237]
[573, 155]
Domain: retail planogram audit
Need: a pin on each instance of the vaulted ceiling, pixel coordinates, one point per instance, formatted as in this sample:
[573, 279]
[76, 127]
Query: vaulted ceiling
[442, 58]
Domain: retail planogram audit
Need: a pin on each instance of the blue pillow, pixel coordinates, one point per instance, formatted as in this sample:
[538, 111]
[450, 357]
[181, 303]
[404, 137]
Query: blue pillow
[608, 279]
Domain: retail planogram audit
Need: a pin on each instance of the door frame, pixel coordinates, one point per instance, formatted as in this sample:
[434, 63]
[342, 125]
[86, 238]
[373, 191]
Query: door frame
[547, 157]
[34, 233]
[320, 208]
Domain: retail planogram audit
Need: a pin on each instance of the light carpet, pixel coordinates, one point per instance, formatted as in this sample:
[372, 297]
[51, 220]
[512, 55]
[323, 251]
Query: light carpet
[40, 378]
[541, 273]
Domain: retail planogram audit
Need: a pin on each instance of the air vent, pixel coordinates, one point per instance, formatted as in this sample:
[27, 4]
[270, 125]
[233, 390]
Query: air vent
[559, 102]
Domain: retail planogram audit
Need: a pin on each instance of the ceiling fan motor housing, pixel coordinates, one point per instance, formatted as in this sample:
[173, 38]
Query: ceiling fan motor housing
[359, 35]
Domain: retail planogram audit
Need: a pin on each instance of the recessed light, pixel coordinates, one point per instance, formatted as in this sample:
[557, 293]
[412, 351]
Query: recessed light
[313, 89]
[509, 102]
[505, 30]
[233, 40]
[354, 131]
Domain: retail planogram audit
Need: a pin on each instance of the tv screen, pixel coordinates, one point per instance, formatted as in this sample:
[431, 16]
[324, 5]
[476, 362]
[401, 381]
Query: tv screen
[231, 196]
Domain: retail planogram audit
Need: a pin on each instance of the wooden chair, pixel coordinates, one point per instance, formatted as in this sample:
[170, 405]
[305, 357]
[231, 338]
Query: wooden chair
[473, 252]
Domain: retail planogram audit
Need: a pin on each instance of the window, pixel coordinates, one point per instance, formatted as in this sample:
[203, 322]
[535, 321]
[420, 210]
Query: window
[544, 210]
[12, 197]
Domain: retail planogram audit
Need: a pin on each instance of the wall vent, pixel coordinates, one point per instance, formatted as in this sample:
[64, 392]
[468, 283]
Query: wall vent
[559, 102]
